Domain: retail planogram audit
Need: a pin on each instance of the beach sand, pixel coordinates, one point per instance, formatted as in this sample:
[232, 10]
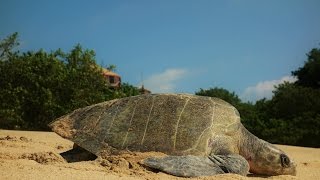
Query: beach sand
[36, 155]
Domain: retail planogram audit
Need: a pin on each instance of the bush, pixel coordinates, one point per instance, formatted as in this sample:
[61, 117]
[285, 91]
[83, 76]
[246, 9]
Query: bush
[37, 87]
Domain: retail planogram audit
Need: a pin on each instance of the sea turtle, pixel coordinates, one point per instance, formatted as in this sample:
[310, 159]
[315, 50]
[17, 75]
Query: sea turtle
[201, 135]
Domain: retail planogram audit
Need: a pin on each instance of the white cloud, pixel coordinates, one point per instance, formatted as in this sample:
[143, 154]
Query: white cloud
[264, 89]
[166, 81]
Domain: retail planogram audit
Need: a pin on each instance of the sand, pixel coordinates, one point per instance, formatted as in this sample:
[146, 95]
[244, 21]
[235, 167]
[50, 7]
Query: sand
[36, 155]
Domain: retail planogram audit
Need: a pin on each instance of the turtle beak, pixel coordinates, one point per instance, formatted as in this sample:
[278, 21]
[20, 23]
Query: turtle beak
[291, 170]
[289, 166]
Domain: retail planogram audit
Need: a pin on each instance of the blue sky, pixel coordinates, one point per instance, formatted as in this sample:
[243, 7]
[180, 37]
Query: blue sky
[246, 46]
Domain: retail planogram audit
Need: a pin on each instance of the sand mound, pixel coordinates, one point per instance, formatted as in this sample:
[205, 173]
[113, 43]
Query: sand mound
[44, 157]
[13, 138]
[39, 155]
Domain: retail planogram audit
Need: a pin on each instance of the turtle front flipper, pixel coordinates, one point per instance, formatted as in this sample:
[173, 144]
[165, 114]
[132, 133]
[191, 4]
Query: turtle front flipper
[193, 166]
[184, 166]
[232, 163]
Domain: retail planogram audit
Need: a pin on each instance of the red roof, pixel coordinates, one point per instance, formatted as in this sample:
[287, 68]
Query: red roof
[109, 73]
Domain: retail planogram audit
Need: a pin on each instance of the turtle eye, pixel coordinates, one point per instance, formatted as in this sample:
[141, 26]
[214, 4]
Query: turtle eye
[285, 161]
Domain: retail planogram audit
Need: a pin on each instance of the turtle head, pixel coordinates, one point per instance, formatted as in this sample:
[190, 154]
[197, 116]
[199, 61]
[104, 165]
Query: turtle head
[270, 160]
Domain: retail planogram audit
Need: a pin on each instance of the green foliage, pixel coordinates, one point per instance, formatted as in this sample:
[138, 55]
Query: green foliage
[37, 87]
[294, 111]
[292, 116]
[84, 84]
[7, 45]
[111, 67]
[290, 101]
[303, 130]
[249, 115]
[125, 90]
[221, 93]
[309, 74]
[129, 90]
[27, 89]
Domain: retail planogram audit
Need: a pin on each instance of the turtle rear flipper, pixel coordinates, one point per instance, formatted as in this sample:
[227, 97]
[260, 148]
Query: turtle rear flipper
[193, 166]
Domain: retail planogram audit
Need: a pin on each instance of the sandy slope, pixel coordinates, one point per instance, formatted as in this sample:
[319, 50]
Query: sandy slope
[35, 155]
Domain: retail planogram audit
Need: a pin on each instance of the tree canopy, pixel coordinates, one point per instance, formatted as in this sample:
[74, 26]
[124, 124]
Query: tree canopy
[292, 116]
[222, 93]
[7, 45]
[309, 74]
[37, 87]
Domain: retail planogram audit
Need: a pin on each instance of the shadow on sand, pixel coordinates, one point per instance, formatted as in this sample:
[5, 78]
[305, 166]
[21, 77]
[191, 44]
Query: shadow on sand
[78, 154]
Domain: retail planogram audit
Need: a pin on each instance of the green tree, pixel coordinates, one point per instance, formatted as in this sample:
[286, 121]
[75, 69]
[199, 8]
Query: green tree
[290, 101]
[309, 74]
[129, 90]
[7, 45]
[37, 87]
[221, 93]
[294, 115]
[111, 67]
[27, 88]
[84, 84]
[249, 116]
